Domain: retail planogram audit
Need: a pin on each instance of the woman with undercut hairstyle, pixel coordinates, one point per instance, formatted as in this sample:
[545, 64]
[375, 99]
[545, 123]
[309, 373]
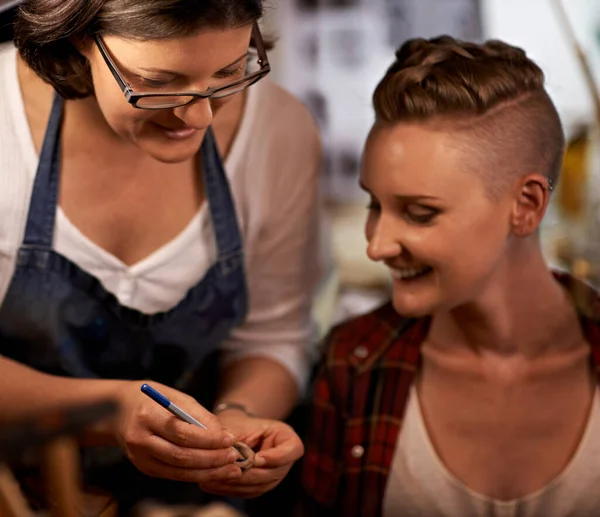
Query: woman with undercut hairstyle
[158, 223]
[474, 392]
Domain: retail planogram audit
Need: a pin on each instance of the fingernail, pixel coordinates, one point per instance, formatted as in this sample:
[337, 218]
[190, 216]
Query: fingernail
[227, 441]
[259, 461]
[233, 456]
[234, 475]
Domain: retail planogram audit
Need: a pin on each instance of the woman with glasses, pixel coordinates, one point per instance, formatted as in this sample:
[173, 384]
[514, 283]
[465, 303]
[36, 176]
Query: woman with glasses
[132, 251]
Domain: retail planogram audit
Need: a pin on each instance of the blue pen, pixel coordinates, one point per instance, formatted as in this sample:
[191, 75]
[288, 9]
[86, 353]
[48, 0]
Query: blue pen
[246, 460]
[169, 406]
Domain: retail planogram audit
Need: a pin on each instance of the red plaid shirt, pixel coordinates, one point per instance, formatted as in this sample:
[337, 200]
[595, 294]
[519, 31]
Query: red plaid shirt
[359, 399]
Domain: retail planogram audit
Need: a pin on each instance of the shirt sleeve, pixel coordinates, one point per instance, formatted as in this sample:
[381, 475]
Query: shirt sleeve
[284, 259]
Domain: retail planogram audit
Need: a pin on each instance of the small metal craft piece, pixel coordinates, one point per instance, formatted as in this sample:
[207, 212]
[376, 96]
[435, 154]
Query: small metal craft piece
[246, 461]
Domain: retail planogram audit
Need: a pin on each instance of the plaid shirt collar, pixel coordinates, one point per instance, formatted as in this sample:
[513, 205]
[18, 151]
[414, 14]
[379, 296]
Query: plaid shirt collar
[413, 331]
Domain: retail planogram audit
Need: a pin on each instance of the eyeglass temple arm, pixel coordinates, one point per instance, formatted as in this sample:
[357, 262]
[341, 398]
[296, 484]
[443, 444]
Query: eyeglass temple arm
[111, 65]
[260, 46]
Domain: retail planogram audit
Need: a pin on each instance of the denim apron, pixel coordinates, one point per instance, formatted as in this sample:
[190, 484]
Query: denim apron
[59, 319]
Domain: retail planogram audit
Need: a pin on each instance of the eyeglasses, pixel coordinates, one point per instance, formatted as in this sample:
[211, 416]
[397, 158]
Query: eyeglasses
[257, 66]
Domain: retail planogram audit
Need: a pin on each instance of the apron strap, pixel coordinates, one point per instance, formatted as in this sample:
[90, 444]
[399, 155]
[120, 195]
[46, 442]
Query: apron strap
[220, 199]
[44, 197]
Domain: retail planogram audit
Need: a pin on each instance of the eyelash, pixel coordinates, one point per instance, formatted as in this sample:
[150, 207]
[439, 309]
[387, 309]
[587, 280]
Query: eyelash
[415, 218]
[149, 83]
[224, 74]
[421, 218]
[231, 73]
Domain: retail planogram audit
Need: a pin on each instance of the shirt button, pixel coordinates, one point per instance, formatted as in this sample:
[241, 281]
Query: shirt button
[361, 352]
[357, 451]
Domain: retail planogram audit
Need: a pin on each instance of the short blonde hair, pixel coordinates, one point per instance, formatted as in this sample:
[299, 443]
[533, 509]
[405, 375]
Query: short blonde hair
[491, 95]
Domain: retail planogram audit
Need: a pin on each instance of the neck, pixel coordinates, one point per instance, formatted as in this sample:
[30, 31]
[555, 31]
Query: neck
[521, 311]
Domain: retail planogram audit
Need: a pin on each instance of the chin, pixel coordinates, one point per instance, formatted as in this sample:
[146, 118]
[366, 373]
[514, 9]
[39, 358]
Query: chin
[413, 309]
[168, 150]
[171, 158]
[415, 298]
[419, 306]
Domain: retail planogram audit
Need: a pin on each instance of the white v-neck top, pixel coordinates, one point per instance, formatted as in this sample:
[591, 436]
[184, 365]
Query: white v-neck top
[272, 168]
[420, 485]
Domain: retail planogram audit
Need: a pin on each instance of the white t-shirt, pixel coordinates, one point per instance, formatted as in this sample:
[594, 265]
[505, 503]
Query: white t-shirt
[420, 485]
[272, 167]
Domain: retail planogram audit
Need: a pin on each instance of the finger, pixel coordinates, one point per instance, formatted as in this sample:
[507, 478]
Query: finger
[191, 406]
[259, 477]
[282, 454]
[176, 456]
[156, 468]
[190, 436]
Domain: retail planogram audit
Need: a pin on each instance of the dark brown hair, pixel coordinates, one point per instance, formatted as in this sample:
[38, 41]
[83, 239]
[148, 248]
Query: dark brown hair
[45, 30]
[491, 96]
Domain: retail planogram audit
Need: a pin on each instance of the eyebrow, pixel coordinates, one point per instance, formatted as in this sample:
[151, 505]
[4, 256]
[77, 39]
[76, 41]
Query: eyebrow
[171, 72]
[404, 197]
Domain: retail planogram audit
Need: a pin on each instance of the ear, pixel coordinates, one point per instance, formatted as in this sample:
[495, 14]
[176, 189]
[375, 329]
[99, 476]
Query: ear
[84, 45]
[532, 195]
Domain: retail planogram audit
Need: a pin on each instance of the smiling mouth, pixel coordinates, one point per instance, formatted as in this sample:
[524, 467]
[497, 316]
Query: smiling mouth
[410, 273]
[177, 133]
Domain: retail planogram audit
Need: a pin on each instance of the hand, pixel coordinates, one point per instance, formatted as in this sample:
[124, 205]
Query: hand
[161, 445]
[277, 447]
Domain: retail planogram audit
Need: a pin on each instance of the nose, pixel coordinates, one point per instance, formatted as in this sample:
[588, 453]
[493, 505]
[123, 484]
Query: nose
[197, 114]
[383, 242]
